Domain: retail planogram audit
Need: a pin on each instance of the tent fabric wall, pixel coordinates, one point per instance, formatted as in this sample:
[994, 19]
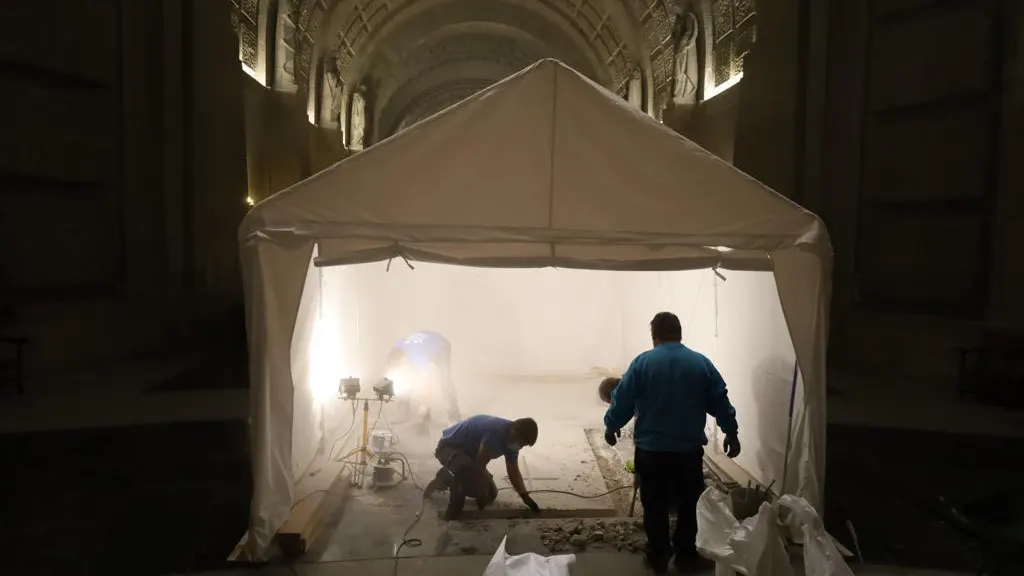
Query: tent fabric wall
[274, 267]
[307, 408]
[542, 169]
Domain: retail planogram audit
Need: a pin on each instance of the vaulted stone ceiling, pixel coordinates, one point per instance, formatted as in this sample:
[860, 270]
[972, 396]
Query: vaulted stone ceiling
[371, 67]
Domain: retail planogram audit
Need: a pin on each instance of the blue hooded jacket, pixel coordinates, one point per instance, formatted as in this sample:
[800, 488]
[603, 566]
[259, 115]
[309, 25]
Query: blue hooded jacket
[671, 389]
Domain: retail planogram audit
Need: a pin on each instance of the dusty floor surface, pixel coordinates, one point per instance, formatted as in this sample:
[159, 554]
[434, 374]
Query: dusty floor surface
[374, 518]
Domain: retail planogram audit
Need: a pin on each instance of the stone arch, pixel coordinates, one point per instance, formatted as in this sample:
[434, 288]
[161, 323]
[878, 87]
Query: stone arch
[532, 19]
[299, 44]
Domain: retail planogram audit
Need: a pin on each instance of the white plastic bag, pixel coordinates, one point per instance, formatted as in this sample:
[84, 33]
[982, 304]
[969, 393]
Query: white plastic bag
[821, 557]
[755, 547]
[528, 564]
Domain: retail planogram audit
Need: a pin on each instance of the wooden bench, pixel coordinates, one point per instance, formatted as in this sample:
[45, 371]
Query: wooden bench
[993, 372]
[12, 364]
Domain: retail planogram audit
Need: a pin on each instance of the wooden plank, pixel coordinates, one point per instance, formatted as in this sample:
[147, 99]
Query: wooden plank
[310, 513]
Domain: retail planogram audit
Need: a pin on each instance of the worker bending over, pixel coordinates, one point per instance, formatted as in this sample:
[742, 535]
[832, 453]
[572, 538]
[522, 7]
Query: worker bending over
[464, 451]
[670, 389]
[420, 364]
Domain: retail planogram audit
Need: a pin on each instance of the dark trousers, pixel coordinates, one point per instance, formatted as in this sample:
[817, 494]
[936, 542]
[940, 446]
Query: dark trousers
[469, 479]
[670, 482]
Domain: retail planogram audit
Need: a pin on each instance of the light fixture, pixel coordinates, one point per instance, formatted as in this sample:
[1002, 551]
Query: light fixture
[349, 388]
[249, 201]
[385, 389]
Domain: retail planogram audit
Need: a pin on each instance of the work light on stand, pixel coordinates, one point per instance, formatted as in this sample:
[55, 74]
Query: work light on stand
[349, 388]
[385, 389]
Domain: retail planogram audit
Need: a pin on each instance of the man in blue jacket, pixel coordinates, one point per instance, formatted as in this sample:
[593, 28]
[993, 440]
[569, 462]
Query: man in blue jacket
[670, 389]
[464, 451]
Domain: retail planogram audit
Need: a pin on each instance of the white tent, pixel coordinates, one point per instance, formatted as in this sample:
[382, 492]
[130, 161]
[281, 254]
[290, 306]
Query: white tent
[542, 170]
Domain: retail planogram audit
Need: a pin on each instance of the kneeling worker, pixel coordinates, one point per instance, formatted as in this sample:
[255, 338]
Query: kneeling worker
[464, 451]
[422, 364]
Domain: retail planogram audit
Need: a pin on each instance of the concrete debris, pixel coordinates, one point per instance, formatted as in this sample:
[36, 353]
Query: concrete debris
[576, 535]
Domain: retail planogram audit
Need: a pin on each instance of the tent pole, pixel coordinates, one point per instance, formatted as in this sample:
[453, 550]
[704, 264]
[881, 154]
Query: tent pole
[789, 429]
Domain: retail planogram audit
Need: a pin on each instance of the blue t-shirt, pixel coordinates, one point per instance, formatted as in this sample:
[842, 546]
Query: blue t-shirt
[669, 390]
[490, 431]
[421, 348]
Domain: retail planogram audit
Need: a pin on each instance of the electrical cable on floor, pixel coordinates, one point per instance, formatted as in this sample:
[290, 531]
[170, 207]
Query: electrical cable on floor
[576, 494]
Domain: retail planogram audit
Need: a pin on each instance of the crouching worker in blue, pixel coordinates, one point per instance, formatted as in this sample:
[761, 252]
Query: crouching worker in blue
[464, 451]
[670, 389]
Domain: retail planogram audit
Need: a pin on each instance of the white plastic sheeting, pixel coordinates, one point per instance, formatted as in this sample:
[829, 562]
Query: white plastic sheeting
[543, 169]
[755, 546]
[528, 564]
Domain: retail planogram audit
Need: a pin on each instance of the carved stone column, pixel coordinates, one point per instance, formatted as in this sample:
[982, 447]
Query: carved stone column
[770, 102]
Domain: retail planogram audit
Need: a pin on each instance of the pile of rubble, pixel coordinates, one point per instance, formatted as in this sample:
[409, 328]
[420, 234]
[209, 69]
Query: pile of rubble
[577, 535]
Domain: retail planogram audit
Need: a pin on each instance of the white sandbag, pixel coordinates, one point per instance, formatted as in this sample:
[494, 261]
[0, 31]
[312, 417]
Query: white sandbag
[821, 557]
[755, 546]
[528, 564]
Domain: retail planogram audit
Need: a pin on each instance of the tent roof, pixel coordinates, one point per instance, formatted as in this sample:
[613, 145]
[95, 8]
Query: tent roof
[542, 164]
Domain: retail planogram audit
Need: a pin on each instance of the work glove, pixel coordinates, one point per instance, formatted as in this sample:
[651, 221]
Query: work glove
[611, 436]
[731, 446]
[530, 503]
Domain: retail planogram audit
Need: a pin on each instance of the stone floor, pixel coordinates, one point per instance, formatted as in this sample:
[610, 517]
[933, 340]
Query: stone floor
[146, 499]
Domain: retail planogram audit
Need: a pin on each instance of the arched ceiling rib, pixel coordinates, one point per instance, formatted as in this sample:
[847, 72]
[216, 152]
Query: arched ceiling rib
[438, 99]
[483, 60]
[605, 39]
[604, 28]
[506, 48]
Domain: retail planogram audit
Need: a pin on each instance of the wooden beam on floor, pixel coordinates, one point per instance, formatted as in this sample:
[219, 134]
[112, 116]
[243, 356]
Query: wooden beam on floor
[309, 515]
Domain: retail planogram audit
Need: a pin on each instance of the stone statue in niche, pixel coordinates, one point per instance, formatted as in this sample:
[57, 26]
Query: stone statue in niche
[685, 32]
[357, 120]
[335, 86]
[635, 94]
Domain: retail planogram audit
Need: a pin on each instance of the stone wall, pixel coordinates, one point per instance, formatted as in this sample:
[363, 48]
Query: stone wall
[916, 168]
[859, 112]
[281, 146]
[123, 178]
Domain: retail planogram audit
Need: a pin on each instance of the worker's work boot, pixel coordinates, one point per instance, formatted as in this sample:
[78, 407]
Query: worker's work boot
[657, 563]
